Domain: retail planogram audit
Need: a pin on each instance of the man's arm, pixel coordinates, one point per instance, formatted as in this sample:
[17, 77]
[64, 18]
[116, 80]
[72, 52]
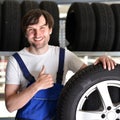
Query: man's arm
[16, 100]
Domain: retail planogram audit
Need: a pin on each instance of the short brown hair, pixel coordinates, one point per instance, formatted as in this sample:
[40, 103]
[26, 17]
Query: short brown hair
[32, 17]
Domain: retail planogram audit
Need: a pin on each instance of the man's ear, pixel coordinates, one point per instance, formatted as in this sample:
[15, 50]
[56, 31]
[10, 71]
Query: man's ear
[50, 31]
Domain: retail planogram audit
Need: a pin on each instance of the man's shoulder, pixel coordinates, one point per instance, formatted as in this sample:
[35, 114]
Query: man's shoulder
[53, 47]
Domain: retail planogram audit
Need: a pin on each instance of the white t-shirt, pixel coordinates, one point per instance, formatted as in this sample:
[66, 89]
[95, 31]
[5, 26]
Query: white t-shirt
[34, 63]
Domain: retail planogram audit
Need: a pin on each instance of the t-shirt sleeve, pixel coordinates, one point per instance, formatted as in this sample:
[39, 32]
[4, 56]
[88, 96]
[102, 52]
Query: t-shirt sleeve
[12, 72]
[74, 63]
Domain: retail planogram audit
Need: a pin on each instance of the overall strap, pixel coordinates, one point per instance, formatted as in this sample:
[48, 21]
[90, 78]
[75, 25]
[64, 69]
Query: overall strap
[60, 65]
[23, 68]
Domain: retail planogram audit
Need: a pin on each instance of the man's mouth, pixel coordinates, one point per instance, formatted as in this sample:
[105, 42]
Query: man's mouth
[38, 39]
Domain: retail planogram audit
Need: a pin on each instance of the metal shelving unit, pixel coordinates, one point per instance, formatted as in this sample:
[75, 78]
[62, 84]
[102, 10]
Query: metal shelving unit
[87, 56]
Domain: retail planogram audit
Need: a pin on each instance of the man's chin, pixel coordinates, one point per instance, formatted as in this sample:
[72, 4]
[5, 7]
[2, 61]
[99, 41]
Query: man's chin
[39, 46]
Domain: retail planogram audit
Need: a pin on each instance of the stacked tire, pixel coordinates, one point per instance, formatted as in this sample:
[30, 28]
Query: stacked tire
[25, 7]
[80, 27]
[116, 11]
[52, 8]
[10, 30]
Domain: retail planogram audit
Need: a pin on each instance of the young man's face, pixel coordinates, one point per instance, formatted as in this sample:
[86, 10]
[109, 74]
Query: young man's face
[38, 35]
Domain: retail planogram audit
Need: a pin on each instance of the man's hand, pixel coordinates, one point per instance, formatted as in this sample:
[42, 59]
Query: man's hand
[107, 62]
[44, 80]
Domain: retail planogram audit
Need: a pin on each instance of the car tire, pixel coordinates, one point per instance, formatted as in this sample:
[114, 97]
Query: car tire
[105, 27]
[25, 7]
[0, 26]
[80, 27]
[11, 19]
[52, 8]
[116, 11]
[91, 94]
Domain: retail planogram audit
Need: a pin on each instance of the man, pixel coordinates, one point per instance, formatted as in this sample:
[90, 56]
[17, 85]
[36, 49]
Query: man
[41, 60]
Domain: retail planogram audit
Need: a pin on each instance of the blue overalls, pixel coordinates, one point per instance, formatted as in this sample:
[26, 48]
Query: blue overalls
[43, 105]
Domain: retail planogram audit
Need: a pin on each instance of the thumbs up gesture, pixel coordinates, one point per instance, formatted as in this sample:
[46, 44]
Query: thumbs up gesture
[44, 80]
[42, 71]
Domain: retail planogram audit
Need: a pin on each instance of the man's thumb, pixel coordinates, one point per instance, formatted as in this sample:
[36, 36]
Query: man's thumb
[42, 70]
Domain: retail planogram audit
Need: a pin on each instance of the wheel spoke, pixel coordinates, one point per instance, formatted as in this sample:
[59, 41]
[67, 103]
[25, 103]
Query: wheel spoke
[104, 93]
[88, 115]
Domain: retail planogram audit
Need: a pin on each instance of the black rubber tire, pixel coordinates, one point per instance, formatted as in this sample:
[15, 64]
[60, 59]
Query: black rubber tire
[80, 27]
[105, 27]
[79, 84]
[52, 8]
[116, 11]
[25, 7]
[11, 14]
[0, 26]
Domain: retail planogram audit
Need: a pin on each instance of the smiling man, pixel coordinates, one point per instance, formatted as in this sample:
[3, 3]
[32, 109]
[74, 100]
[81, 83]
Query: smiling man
[36, 74]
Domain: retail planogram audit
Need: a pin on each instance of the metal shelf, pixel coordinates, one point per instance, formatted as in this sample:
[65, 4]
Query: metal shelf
[96, 54]
[78, 53]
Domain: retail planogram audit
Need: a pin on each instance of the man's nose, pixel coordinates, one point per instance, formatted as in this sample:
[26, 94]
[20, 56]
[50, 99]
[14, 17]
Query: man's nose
[38, 33]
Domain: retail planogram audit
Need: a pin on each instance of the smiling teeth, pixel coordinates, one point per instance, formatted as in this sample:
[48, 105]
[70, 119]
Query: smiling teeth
[38, 39]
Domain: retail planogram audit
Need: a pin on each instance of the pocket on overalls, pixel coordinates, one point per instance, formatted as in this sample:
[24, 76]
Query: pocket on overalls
[50, 93]
[43, 105]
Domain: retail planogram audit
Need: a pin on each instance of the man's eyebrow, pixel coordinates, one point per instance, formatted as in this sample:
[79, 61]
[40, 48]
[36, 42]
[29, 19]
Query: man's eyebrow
[29, 27]
[44, 24]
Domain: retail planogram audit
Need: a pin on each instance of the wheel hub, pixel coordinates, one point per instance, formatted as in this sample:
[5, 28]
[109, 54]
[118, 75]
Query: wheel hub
[106, 111]
[111, 115]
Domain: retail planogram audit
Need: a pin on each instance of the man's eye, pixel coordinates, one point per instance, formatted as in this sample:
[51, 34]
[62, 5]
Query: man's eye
[42, 28]
[30, 30]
